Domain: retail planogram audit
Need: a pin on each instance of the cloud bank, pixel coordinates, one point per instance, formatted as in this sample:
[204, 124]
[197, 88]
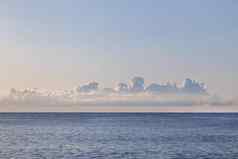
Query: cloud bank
[135, 93]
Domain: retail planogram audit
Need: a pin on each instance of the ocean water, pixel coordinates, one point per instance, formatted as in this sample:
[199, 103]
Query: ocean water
[118, 136]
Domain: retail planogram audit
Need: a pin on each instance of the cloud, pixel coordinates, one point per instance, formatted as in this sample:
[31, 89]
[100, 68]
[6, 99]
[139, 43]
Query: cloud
[189, 87]
[194, 87]
[32, 97]
[137, 84]
[135, 94]
[88, 88]
[158, 88]
[122, 88]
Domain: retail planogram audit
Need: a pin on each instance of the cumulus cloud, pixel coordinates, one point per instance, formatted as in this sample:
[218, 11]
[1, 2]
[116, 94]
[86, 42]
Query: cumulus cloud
[122, 88]
[88, 88]
[160, 88]
[194, 87]
[137, 84]
[36, 97]
[133, 94]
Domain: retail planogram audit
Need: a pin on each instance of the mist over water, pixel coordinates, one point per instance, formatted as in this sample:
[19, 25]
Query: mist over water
[119, 135]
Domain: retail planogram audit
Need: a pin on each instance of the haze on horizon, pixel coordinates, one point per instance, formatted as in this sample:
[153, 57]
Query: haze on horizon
[55, 45]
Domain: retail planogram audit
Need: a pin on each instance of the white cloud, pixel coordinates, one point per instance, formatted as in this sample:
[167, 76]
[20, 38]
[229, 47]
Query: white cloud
[160, 88]
[137, 84]
[191, 93]
[194, 87]
[122, 88]
[88, 88]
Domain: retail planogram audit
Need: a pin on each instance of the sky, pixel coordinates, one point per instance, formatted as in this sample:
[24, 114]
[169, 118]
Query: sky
[60, 44]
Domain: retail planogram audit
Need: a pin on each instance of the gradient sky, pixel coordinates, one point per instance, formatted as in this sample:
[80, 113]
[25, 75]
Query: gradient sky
[59, 44]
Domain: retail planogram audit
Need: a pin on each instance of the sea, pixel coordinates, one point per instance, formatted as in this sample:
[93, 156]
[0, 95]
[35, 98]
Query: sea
[118, 136]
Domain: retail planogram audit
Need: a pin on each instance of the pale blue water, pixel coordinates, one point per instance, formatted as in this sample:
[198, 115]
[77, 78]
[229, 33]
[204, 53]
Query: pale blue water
[119, 136]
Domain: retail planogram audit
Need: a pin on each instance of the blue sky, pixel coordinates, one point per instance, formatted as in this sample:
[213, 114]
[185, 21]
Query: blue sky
[60, 44]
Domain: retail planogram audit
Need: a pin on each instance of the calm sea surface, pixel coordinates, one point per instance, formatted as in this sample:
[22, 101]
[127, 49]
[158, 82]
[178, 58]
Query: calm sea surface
[118, 136]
